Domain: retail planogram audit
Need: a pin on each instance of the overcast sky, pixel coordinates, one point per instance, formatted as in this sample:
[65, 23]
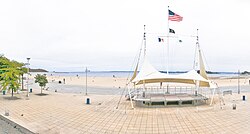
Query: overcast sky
[67, 35]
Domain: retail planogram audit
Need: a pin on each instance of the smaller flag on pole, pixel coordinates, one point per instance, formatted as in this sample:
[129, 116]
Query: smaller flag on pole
[171, 31]
[174, 17]
[160, 40]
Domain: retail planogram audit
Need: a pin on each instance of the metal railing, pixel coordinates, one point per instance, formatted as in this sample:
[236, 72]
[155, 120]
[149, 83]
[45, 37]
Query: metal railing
[138, 92]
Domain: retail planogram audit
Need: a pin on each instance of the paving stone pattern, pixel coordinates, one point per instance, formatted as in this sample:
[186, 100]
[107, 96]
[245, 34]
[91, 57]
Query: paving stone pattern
[67, 113]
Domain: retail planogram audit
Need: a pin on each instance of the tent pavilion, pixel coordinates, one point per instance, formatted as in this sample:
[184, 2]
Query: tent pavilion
[153, 88]
[160, 95]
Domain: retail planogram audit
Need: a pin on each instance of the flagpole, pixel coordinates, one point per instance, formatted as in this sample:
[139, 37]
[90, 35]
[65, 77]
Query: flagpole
[168, 45]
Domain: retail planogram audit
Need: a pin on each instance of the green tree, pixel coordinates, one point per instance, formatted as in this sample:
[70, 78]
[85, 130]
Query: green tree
[9, 74]
[41, 80]
[22, 69]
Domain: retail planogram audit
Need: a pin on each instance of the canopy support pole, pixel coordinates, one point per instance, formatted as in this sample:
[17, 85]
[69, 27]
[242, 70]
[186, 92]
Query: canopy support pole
[144, 85]
[212, 98]
[197, 84]
[144, 89]
[129, 92]
[167, 89]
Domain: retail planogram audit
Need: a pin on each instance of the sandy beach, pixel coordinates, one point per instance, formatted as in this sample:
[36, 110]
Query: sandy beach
[120, 82]
[67, 112]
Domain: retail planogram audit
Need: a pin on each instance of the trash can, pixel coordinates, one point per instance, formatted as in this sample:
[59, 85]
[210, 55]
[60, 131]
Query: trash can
[4, 92]
[31, 90]
[243, 97]
[234, 106]
[88, 101]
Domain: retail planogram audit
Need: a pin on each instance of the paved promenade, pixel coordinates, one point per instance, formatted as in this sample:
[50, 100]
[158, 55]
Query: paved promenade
[67, 113]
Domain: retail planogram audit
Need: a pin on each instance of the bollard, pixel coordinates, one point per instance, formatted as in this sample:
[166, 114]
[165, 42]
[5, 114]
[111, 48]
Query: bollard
[6, 113]
[4, 92]
[31, 90]
[88, 101]
[243, 97]
[234, 106]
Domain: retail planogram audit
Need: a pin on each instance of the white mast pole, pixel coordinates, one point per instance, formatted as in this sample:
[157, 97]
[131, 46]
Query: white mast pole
[144, 38]
[197, 51]
[198, 45]
[197, 82]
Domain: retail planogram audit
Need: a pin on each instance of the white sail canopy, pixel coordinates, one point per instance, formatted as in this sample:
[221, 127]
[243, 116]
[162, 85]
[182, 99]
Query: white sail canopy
[149, 74]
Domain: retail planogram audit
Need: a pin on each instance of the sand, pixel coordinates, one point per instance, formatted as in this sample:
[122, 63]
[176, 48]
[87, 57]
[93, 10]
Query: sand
[91, 81]
[120, 82]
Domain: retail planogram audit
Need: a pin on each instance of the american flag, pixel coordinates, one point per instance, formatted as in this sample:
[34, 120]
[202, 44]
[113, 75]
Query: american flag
[173, 16]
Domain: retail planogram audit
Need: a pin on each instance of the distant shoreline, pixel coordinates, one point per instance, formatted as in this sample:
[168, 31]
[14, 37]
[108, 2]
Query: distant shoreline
[128, 74]
[37, 70]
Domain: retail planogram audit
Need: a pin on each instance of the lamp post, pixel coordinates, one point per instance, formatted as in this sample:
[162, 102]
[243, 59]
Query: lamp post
[238, 81]
[28, 59]
[86, 74]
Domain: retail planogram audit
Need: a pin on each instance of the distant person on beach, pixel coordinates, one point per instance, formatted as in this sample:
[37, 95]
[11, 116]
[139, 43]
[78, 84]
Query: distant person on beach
[63, 80]
[114, 77]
